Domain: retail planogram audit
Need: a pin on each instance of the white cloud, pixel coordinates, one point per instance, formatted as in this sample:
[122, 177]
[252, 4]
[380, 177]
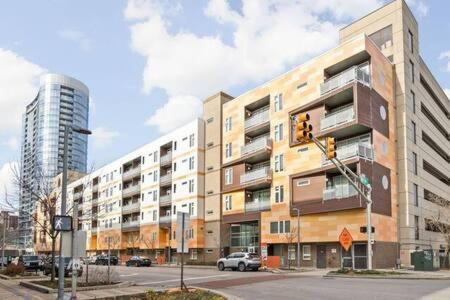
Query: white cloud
[419, 7]
[103, 137]
[267, 38]
[177, 111]
[19, 84]
[76, 36]
[446, 56]
[12, 143]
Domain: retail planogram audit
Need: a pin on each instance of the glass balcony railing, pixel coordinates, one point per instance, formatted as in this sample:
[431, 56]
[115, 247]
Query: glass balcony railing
[131, 207]
[261, 204]
[165, 199]
[165, 219]
[164, 179]
[131, 173]
[337, 118]
[130, 224]
[341, 79]
[131, 190]
[166, 159]
[255, 145]
[339, 192]
[350, 151]
[259, 117]
[255, 174]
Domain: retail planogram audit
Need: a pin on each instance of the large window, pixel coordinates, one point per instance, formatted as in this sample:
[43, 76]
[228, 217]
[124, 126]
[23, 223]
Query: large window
[306, 252]
[383, 37]
[280, 227]
[228, 176]
[244, 235]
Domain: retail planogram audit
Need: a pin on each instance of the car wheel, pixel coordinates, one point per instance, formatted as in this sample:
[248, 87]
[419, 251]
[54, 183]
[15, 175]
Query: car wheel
[241, 267]
[221, 266]
[255, 269]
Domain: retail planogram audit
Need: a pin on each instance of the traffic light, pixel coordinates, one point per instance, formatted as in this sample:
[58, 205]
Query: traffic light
[303, 131]
[331, 148]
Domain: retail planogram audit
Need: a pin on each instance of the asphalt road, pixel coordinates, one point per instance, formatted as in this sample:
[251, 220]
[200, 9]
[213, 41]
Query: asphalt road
[263, 285]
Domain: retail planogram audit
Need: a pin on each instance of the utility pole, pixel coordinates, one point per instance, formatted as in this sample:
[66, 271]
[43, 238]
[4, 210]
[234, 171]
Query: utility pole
[5, 223]
[109, 258]
[74, 272]
[182, 249]
[298, 236]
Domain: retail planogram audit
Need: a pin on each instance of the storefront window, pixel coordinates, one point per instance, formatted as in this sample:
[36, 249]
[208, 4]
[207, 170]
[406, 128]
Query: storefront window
[306, 252]
[244, 235]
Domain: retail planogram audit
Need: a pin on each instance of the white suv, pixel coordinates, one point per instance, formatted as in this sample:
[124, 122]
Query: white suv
[240, 261]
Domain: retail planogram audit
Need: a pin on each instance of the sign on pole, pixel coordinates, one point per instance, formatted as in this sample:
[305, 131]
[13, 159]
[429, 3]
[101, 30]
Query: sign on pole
[179, 231]
[345, 239]
[62, 223]
[79, 249]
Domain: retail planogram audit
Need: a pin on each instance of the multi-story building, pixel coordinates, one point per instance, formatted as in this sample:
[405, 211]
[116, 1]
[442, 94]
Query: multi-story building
[61, 100]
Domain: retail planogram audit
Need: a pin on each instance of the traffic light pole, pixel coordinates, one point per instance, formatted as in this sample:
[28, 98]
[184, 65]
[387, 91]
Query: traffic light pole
[355, 181]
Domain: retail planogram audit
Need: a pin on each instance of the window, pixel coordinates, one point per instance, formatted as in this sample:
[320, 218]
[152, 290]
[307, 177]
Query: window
[191, 140]
[303, 182]
[303, 84]
[291, 252]
[415, 191]
[153, 236]
[306, 252]
[279, 165]
[142, 178]
[228, 176]
[191, 163]
[273, 227]
[210, 120]
[155, 196]
[154, 215]
[155, 156]
[278, 102]
[191, 185]
[228, 150]
[143, 159]
[279, 194]
[175, 145]
[193, 254]
[416, 227]
[415, 163]
[142, 215]
[410, 41]
[174, 188]
[411, 70]
[413, 100]
[279, 132]
[174, 209]
[228, 124]
[383, 37]
[280, 227]
[191, 209]
[414, 132]
[174, 166]
[228, 202]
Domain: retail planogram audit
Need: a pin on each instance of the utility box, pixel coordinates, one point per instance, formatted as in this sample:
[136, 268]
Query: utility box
[425, 260]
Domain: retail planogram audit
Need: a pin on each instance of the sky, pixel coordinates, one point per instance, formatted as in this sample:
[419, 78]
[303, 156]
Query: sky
[148, 64]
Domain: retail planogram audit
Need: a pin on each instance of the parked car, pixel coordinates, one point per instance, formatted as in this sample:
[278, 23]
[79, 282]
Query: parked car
[67, 267]
[139, 262]
[31, 262]
[90, 260]
[240, 261]
[103, 260]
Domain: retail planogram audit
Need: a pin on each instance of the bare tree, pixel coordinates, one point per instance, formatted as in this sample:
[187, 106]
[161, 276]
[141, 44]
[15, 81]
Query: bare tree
[440, 221]
[290, 237]
[148, 242]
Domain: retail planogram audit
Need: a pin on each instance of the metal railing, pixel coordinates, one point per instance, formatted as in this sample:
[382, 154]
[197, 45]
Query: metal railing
[165, 159]
[338, 192]
[164, 179]
[130, 224]
[165, 199]
[77, 195]
[337, 118]
[341, 79]
[131, 207]
[259, 117]
[165, 219]
[255, 174]
[256, 145]
[349, 151]
[257, 205]
[131, 173]
[131, 190]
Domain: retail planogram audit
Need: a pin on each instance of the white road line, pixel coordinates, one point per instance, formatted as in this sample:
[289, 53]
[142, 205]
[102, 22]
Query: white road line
[174, 280]
[128, 275]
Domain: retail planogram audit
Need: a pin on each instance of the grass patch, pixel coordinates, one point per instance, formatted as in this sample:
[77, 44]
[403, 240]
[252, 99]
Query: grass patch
[352, 272]
[175, 294]
[68, 283]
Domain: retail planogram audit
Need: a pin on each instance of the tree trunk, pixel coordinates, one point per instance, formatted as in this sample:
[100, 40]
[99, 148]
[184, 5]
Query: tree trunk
[53, 258]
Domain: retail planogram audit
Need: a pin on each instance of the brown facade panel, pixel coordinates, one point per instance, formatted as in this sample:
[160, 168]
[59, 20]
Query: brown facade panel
[243, 217]
[237, 171]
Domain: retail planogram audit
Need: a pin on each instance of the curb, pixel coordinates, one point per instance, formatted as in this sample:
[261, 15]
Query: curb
[387, 277]
[6, 277]
[185, 266]
[220, 293]
[47, 290]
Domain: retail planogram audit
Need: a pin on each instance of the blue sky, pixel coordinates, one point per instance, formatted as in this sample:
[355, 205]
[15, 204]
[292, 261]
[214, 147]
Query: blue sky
[144, 60]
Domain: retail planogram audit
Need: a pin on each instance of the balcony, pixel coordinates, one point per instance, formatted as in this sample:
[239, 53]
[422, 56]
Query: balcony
[131, 173]
[131, 190]
[77, 195]
[131, 207]
[350, 151]
[130, 224]
[339, 192]
[165, 199]
[165, 219]
[256, 145]
[166, 159]
[95, 188]
[165, 179]
[343, 78]
[263, 204]
[259, 117]
[337, 118]
[254, 175]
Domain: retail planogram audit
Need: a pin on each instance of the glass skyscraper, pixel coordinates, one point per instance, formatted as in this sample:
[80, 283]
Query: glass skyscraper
[61, 100]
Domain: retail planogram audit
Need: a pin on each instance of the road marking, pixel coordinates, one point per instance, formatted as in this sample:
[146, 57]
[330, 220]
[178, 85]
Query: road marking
[174, 280]
[128, 275]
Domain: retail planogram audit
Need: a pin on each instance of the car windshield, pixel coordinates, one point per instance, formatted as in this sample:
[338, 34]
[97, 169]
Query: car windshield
[29, 258]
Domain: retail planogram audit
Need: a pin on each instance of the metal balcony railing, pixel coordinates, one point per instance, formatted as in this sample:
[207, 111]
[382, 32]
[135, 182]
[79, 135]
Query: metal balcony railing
[77, 195]
[166, 159]
[350, 151]
[255, 174]
[131, 190]
[258, 117]
[130, 224]
[337, 118]
[255, 145]
[131, 207]
[262, 204]
[165, 219]
[165, 179]
[165, 199]
[131, 173]
[338, 192]
[341, 79]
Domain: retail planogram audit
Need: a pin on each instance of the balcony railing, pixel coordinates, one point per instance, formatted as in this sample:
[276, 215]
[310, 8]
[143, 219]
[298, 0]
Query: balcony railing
[165, 219]
[350, 151]
[166, 159]
[338, 192]
[131, 190]
[131, 173]
[165, 179]
[337, 118]
[131, 207]
[255, 145]
[257, 205]
[341, 79]
[95, 188]
[130, 224]
[255, 174]
[77, 195]
[165, 199]
[258, 118]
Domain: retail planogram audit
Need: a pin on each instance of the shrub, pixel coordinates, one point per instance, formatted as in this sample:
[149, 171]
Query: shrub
[14, 270]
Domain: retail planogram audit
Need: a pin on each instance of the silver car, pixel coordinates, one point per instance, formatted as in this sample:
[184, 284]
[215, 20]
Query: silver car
[240, 261]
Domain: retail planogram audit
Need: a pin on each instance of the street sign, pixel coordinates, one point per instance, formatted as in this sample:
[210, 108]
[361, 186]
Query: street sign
[264, 251]
[79, 249]
[180, 233]
[345, 239]
[62, 223]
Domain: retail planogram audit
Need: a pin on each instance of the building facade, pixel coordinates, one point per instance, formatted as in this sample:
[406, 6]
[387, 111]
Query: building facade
[61, 100]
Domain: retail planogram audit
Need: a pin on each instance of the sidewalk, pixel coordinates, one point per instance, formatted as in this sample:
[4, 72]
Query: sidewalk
[406, 274]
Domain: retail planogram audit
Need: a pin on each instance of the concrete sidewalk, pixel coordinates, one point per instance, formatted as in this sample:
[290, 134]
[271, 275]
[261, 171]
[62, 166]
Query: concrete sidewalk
[406, 274]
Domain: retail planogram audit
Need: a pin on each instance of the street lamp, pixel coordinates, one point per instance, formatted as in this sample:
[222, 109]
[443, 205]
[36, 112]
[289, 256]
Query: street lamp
[63, 203]
[298, 236]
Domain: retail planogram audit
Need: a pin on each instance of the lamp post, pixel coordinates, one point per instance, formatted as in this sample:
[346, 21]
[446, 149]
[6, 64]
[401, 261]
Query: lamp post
[298, 236]
[63, 203]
